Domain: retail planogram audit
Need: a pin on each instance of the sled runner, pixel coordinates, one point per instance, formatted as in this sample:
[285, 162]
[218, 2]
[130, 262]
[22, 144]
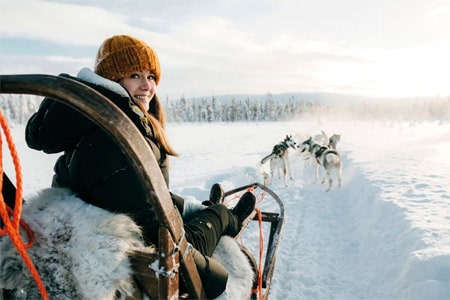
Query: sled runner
[173, 258]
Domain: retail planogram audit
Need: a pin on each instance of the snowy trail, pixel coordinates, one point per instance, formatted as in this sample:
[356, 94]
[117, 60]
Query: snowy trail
[320, 243]
[363, 240]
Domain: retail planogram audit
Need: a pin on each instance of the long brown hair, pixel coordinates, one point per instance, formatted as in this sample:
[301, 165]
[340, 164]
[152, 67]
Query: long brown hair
[157, 119]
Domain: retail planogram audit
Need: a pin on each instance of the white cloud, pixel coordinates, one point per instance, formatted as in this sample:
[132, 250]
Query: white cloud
[374, 48]
[45, 65]
[60, 23]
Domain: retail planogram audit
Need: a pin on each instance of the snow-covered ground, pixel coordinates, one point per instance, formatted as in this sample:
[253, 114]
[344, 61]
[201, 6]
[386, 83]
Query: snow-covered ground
[385, 234]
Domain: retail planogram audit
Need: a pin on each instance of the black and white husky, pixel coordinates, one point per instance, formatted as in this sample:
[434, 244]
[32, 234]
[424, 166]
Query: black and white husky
[321, 139]
[323, 156]
[279, 158]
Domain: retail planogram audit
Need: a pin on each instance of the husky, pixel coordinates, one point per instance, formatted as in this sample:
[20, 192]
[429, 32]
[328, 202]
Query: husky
[331, 141]
[323, 156]
[279, 158]
[334, 139]
[320, 139]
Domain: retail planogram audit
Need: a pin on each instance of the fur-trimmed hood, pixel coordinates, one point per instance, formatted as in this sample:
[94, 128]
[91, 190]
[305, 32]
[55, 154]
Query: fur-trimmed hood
[88, 75]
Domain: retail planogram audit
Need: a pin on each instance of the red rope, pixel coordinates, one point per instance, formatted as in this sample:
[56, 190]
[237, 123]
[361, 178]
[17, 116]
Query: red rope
[261, 250]
[11, 219]
[265, 183]
[261, 236]
[259, 289]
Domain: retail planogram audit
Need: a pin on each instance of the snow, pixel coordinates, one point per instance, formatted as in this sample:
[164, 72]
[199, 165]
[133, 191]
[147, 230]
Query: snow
[385, 234]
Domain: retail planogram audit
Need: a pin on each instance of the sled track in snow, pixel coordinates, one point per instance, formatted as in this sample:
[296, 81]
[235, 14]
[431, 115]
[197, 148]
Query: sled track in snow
[326, 246]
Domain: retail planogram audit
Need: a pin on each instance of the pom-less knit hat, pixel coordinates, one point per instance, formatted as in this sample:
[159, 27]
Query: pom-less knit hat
[121, 55]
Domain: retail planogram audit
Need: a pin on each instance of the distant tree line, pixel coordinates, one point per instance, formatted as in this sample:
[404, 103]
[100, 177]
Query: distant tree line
[19, 109]
[236, 110]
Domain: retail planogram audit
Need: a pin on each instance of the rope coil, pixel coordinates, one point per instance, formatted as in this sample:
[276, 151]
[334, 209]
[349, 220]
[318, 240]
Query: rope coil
[11, 218]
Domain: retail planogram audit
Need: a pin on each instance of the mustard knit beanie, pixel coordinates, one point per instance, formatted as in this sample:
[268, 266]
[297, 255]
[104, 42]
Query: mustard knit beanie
[121, 55]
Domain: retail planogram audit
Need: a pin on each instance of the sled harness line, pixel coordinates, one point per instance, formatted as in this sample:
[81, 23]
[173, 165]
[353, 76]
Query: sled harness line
[261, 243]
[258, 290]
[11, 218]
[261, 239]
[259, 215]
[265, 183]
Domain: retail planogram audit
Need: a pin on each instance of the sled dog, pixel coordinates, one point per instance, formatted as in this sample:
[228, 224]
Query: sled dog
[323, 156]
[321, 139]
[331, 141]
[279, 158]
[334, 139]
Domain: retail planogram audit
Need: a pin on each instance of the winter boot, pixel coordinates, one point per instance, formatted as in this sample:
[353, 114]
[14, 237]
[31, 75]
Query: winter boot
[216, 195]
[242, 213]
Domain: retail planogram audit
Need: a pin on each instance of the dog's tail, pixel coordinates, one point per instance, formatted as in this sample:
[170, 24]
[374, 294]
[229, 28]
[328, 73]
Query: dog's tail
[326, 138]
[266, 158]
[332, 158]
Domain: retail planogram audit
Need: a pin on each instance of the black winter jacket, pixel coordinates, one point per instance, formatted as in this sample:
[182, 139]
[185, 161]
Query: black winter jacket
[93, 165]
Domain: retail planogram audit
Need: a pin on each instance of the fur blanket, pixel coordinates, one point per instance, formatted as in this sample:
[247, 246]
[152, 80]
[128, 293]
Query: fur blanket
[80, 252]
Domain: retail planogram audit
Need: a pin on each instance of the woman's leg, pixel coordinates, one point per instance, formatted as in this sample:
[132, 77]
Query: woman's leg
[206, 228]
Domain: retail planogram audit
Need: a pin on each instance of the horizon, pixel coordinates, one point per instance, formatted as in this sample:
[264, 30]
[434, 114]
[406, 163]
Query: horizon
[324, 96]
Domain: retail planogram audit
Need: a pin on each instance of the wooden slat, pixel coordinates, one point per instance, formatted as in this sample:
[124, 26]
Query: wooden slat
[146, 277]
[168, 266]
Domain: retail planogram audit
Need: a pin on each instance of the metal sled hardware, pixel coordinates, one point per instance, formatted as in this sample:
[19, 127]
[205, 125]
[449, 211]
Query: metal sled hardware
[276, 223]
[173, 250]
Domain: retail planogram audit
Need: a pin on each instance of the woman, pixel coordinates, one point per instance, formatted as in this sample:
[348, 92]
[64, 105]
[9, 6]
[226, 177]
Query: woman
[127, 71]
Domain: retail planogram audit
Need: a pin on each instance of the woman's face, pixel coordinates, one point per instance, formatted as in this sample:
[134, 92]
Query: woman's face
[141, 85]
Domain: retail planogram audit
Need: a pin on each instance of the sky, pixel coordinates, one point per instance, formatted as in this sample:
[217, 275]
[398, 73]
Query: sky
[383, 235]
[385, 48]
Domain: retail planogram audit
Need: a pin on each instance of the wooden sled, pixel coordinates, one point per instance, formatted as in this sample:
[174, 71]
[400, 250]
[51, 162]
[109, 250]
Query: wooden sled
[173, 254]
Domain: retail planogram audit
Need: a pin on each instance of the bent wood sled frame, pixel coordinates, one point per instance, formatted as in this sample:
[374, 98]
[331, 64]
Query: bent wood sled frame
[174, 252]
